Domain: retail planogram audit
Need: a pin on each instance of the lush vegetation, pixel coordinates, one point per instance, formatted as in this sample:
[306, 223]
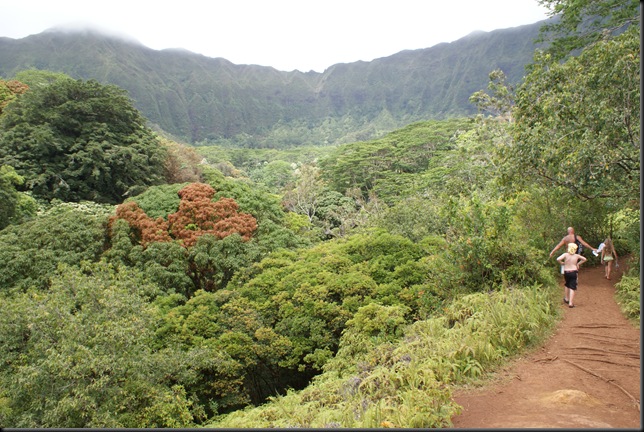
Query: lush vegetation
[388, 375]
[343, 286]
[85, 141]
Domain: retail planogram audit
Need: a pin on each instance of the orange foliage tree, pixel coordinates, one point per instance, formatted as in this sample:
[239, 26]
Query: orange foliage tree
[9, 90]
[197, 215]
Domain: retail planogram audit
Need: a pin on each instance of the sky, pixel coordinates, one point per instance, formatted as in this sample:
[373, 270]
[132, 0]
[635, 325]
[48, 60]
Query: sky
[285, 34]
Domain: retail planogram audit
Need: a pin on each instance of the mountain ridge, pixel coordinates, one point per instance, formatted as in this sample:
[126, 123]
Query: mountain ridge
[203, 99]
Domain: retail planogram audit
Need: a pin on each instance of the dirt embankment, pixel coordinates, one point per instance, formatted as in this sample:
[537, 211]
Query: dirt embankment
[586, 376]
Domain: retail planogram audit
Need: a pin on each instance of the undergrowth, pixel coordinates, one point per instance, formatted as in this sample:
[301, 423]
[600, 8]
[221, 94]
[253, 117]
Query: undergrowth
[628, 297]
[379, 379]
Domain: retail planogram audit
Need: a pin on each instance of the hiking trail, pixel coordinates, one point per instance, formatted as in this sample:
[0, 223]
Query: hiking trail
[587, 375]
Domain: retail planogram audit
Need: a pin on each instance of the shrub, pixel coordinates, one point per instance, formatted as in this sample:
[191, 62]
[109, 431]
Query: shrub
[628, 297]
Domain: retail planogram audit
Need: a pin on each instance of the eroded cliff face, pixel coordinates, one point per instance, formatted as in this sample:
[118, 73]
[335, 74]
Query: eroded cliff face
[197, 98]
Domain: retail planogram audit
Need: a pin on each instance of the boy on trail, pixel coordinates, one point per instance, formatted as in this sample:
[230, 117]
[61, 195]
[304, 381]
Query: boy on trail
[571, 262]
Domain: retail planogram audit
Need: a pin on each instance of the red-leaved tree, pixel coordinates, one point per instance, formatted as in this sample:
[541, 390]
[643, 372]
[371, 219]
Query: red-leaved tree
[145, 230]
[197, 215]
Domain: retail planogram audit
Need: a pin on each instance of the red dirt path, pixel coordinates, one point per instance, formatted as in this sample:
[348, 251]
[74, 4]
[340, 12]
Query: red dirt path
[587, 375]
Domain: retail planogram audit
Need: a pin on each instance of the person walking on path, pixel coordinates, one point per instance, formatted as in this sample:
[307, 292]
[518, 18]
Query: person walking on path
[571, 262]
[608, 256]
[571, 237]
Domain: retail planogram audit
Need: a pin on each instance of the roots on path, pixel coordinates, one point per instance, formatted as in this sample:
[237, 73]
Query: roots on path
[587, 375]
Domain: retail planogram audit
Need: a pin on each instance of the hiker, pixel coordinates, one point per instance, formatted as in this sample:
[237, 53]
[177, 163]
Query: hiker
[571, 261]
[571, 237]
[608, 255]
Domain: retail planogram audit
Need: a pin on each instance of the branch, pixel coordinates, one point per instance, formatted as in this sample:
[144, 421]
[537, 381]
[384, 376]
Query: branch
[609, 381]
[599, 326]
[623, 353]
[611, 362]
[547, 359]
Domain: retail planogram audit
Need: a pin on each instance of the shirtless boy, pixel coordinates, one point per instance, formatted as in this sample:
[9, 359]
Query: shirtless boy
[570, 261]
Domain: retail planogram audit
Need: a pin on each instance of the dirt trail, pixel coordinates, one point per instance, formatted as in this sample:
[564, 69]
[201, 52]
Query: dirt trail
[586, 376]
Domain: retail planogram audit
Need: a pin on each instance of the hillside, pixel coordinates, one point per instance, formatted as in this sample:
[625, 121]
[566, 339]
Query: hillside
[201, 99]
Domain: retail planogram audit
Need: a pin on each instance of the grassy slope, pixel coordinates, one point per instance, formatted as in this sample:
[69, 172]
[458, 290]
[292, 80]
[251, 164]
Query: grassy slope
[406, 384]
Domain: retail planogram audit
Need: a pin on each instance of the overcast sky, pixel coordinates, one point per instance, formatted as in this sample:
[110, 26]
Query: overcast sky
[285, 34]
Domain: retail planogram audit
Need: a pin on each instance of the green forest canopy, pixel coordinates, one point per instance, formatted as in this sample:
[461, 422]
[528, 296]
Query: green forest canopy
[311, 276]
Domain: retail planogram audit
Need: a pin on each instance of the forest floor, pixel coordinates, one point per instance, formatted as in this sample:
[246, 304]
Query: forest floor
[587, 375]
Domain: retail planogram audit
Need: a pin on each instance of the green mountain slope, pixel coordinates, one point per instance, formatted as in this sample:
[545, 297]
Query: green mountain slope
[198, 98]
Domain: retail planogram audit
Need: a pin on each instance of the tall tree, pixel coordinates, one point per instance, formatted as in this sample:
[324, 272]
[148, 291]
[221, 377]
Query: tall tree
[197, 215]
[81, 354]
[13, 202]
[583, 22]
[304, 198]
[80, 140]
[213, 233]
[578, 122]
[9, 91]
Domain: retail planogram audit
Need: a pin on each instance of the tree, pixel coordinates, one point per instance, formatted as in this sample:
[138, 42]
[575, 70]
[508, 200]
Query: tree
[82, 355]
[15, 205]
[80, 140]
[182, 164]
[275, 174]
[308, 295]
[577, 123]
[226, 326]
[304, 198]
[338, 213]
[414, 218]
[9, 91]
[197, 215]
[40, 78]
[67, 233]
[379, 165]
[584, 22]
[252, 198]
[329, 211]
[500, 99]
[214, 235]
[145, 230]
[187, 256]
[9, 179]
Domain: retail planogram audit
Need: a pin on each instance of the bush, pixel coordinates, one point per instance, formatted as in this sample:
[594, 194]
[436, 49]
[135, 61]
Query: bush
[628, 297]
[483, 244]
